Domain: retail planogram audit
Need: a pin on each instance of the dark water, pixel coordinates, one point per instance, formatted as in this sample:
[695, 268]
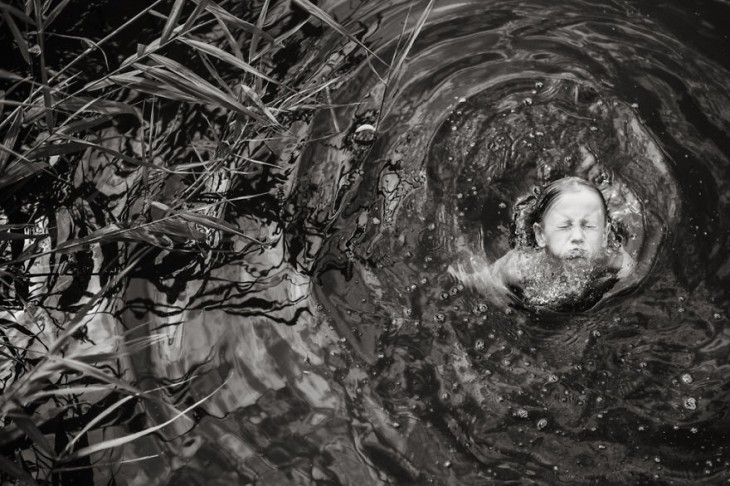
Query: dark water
[351, 355]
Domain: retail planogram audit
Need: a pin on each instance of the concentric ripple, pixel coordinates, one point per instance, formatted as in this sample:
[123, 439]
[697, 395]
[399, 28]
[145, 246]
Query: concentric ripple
[493, 99]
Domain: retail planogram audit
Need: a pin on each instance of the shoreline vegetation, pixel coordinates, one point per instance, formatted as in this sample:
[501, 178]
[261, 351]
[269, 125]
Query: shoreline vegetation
[115, 148]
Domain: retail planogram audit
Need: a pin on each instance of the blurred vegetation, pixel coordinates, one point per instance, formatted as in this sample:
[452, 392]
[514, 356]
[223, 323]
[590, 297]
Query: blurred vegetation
[130, 128]
[118, 141]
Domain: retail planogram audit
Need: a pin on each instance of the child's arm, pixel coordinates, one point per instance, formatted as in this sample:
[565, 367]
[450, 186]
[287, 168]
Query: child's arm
[508, 268]
[476, 272]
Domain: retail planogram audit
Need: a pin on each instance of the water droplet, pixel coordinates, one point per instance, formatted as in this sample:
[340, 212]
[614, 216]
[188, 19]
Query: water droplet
[375, 221]
[440, 317]
[539, 84]
[542, 423]
[521, 413]
[444, 295]
[480, 345]
[528, 101]
[690, 403]
[447, 464]
[717, 315]
[601, 447]
[657, 459]
[482, 308]
[553, 379]
[687, 378]
[634, 105]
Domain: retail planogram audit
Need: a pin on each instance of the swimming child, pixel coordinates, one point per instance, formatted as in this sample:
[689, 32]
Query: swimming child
[567, 261]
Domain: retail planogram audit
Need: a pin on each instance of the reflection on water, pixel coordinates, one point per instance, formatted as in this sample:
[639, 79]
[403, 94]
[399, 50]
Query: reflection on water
[352, 356]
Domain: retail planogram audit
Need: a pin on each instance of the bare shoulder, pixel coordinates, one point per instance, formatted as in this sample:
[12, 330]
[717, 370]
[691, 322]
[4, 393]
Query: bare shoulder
[621, 262]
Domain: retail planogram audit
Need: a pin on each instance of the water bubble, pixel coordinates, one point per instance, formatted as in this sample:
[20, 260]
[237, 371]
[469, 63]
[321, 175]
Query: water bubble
[528, 101]
[717, 315]
[375, 221]
[444, 295]
[454, 291]
[542, 423]
[444, 396]
[694, 430]
[521, 413]
[690, 403]
[539, 84]
[552, 379]
[687, 378]
[601, 447]
[440, 317]
[480, 345]
[634, 105]
[462, 100]
[447, 464]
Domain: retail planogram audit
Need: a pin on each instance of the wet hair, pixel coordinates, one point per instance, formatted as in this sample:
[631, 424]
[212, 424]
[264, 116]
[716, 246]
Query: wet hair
[550, 194]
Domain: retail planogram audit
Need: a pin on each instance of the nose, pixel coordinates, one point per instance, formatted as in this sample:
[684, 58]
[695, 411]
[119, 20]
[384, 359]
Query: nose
[577, 235]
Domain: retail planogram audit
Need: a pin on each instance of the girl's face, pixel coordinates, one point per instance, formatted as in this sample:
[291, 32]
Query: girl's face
[574, 229]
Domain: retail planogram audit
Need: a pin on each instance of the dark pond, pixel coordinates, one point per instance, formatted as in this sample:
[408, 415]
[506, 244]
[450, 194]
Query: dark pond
[354, 356]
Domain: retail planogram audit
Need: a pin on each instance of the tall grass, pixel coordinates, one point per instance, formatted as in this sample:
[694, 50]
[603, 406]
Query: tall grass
[65, 117]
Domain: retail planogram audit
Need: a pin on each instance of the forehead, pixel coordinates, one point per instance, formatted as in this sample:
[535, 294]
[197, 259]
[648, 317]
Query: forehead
[577, 203]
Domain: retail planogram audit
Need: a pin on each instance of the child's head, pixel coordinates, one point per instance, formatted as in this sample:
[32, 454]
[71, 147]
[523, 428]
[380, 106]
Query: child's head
[571, 220]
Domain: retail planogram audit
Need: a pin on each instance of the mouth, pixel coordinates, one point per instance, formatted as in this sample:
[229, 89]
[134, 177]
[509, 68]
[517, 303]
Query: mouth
[576, 255]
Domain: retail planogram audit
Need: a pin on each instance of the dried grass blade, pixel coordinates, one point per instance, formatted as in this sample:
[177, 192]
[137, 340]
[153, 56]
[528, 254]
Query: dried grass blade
[55, 13]
[47, 99]
[147, 86]
[93, 372]
[171, 20]
[280, 40]
[127, 158]
[11, 137]
[79, 104]
[92, 423]
[411, 40]
[232, 43]
[109, 444]
[84, 125]
[195, 16]
[228, 58]
[18, 36]
[220, 12]
[6, 236]
[17, 12]
[71, 390]
[181, 78]
[312, 9]
[16, 471]
[259, 102]
[260, 25]
[25, 424]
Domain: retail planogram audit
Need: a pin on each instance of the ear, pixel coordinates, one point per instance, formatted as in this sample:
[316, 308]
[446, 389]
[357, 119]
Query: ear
[539, 235]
